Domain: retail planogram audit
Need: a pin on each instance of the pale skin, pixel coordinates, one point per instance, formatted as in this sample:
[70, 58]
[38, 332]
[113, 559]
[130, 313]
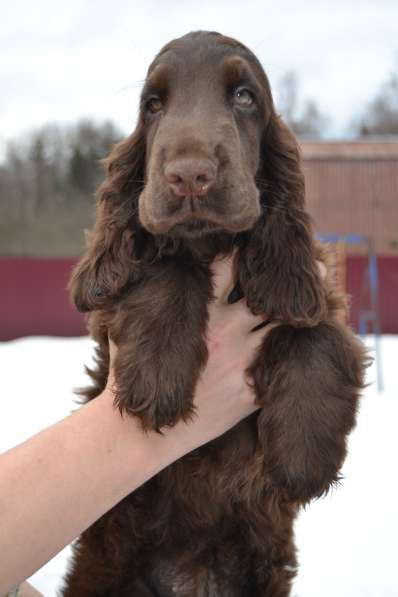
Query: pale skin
[56, 484]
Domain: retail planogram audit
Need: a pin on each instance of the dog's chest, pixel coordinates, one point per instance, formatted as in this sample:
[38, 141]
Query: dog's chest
[216, 480]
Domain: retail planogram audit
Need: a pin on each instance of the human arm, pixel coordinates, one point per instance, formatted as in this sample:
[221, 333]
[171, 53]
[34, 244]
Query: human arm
[60, 481]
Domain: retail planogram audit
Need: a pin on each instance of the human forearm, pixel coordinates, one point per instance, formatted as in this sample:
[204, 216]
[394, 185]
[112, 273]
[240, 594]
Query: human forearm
[60, 481]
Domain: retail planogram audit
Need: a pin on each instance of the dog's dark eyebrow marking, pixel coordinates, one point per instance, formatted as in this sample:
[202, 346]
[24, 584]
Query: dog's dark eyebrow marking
[158, 79]
[238, 70]
[168, 55]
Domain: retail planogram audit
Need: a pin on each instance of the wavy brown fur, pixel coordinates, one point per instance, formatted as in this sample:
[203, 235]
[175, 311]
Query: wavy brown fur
[219, 521]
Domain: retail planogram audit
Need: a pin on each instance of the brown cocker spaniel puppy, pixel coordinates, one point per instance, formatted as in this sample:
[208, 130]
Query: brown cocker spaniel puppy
[210, 169]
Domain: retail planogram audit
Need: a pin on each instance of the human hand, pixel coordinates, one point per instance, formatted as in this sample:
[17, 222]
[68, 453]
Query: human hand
[223, 395]
[111, 384]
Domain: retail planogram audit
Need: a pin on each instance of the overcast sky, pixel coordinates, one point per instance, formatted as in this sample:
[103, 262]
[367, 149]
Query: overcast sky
[87, 58]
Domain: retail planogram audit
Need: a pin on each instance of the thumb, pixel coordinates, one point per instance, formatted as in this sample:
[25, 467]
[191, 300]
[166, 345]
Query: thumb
[223, 278]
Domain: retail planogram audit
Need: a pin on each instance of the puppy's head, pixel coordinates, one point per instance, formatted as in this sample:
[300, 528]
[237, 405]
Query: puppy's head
[209, 155]
[204, 108]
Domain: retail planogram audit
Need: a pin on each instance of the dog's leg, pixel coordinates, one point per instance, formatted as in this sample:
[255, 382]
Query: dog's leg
[137, 588]
[308, 381]
[107, 559]
[159, 330]
[92, 571]
[266, 537]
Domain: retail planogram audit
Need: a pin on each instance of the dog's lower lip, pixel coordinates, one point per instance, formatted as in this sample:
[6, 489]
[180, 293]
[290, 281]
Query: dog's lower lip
[205, 225]
[195, 224]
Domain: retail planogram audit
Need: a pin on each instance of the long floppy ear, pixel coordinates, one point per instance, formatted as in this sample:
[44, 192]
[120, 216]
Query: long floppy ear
[110, 263]
[277, 267]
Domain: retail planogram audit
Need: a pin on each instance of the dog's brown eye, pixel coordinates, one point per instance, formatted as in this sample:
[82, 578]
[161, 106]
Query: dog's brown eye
[243, 97]
[154, 104]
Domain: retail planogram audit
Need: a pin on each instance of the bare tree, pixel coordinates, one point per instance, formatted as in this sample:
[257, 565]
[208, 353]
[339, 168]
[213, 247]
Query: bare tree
[287, 91]
[381, 115]
[88, 143]
[47, 185]
[305, 119]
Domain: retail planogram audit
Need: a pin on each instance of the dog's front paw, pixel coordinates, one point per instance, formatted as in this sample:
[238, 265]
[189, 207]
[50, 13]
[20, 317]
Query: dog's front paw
[155, 403]
[295, 299]
[159, 331]
[157, 388]
[308, 380]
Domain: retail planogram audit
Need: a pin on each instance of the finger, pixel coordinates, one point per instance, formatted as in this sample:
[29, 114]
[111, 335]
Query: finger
[111, 383]
[244, 317]
[223, 278]
[322, 269]
[256, 338]
[112, 351]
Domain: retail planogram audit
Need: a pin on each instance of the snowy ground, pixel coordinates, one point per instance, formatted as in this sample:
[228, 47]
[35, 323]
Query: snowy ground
[347, 541]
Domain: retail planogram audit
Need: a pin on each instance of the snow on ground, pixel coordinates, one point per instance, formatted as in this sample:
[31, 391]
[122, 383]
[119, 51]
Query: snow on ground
[347, 541]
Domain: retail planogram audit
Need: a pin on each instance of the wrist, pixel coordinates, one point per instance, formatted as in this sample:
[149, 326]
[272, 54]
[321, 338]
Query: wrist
[140, 450]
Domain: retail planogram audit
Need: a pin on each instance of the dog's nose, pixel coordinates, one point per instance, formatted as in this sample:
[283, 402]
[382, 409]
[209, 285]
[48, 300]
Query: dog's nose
[190, 177]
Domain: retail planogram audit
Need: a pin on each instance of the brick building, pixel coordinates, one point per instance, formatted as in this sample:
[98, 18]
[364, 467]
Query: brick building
[352, 188]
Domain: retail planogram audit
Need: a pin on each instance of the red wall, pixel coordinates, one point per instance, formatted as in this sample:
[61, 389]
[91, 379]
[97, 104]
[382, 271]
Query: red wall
[387, 267]
[34, 300]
